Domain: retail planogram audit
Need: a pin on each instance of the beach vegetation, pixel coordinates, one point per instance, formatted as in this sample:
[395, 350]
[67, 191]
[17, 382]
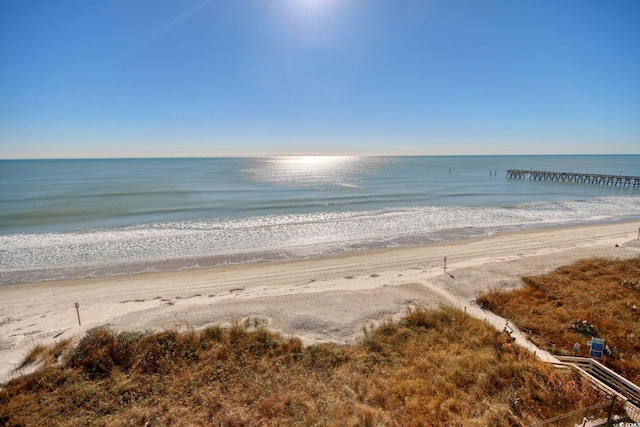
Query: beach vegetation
[590, 298]
[41, 354]
[435, 367]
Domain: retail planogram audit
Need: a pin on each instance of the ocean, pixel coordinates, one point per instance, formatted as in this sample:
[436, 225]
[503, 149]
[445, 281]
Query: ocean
[67, 219]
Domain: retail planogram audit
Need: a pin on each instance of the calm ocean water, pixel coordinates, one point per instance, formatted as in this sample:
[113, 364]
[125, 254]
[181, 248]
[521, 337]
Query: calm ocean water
[80, 218]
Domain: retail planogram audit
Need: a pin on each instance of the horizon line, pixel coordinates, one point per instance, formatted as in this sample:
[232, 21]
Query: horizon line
[295, 154]
[298, 154]
[265, 155]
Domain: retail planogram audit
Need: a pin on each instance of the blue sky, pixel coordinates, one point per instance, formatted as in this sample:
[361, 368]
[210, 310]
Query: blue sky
[123, 78]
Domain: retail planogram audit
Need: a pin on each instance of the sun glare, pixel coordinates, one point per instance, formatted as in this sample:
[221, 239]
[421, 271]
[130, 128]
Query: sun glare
[307, 170]
[313, 22]
[313, 2]
[316, 161]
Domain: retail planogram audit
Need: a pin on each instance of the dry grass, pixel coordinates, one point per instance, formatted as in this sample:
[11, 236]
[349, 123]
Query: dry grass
[433, 368]
[603, 292]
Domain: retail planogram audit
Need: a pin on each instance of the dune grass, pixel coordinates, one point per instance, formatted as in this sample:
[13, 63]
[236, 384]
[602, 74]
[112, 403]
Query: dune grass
[432, 368]
[592, 297]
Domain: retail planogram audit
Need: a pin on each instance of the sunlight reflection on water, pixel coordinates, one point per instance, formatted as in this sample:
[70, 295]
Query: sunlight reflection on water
[310, 171]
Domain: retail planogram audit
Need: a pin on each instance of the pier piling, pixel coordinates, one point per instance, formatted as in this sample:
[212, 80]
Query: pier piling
[580, 178]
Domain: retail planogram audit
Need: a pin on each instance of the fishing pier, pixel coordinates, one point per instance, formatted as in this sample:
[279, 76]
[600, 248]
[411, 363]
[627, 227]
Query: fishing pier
[581, 178]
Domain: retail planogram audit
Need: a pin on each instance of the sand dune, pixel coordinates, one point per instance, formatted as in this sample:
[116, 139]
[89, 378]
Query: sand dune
[323, 299]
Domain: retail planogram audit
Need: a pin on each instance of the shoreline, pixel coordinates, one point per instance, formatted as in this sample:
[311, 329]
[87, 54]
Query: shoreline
[320, 299]
[34, 261]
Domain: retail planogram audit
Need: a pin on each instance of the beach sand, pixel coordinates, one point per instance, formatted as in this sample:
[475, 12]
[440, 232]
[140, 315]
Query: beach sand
[318, 300]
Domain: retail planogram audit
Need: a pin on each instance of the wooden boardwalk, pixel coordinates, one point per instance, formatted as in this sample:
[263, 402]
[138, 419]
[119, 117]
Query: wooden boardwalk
[581, 178]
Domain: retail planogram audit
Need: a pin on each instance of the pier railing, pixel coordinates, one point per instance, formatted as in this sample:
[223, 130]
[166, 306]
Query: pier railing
[581, 178]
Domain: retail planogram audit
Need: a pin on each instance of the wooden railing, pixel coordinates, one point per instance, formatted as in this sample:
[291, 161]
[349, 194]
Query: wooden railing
[608, 381]
[576, 417]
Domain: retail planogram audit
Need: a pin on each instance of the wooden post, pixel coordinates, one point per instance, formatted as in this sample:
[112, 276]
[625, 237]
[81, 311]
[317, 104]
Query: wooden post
[445, 262]
[77, 306]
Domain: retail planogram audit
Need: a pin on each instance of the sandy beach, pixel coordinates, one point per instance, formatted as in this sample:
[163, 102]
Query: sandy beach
[319, 300]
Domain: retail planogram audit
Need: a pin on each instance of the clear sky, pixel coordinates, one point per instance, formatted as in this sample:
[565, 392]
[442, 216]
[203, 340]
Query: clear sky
[105, 78]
